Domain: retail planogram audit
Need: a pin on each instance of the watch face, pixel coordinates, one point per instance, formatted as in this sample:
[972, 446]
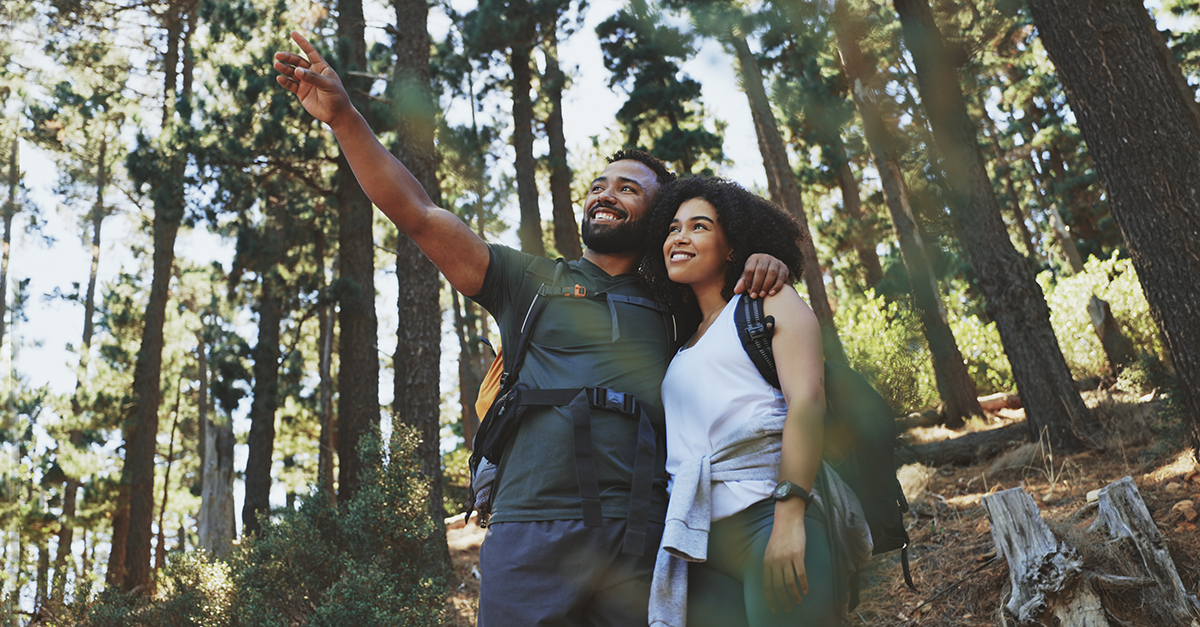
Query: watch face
[781, 490]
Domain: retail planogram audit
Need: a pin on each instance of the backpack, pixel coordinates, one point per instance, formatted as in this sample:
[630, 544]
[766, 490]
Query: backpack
[860, 437]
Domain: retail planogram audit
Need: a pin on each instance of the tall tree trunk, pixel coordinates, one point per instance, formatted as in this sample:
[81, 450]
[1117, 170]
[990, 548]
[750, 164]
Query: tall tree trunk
[115, 574]
[954, 384]
[358, 392]
[217, 526]
[72, 484]
[42, 585]
[10, 210]
[786, 192]
[1003, 169]
[66, 533]
[266, 371]
[328, 438]
[566, 231]
[1013, 298]
[147, 392]
[530, 229]
[865, 237]
[417, 361]
[160, 552]
[1111, 58]
[468, 374]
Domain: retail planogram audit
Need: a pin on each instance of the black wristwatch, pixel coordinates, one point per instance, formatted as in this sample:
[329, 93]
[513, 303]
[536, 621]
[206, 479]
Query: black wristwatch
[787, 489]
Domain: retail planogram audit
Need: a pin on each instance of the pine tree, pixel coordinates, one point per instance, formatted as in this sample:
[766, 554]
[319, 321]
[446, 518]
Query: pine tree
[1013, 299]
[1149, 166]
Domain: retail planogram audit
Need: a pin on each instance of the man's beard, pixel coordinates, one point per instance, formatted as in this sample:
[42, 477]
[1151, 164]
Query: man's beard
[625, 237]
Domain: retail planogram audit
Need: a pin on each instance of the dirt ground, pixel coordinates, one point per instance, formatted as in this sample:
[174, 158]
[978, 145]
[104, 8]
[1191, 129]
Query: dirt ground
[960, 580]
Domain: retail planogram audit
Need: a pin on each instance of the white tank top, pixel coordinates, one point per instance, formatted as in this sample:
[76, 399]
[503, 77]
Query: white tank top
[709, 390]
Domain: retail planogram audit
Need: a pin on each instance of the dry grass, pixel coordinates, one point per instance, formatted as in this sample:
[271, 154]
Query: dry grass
[961, 582]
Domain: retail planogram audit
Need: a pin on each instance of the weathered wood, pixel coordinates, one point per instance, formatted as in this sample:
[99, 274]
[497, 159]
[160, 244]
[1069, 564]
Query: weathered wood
[1046, 573]
[1117, 347]
[1124, 515]
[971, 447]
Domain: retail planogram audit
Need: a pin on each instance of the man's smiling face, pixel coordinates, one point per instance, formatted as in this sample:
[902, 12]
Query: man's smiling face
[617, 204]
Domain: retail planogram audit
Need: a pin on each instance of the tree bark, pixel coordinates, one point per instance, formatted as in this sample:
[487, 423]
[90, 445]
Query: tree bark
[217, 528]
[785, 192]
[358, 392]
[10, 210]
[1145, 153]
[530, 229]
[417, 361]
[327, 443]
[566, 231]
[1013, 298]
[1045, 572]
[160, 553]
[469, 373]
[147, 394]
[266, 354]
[115, 575]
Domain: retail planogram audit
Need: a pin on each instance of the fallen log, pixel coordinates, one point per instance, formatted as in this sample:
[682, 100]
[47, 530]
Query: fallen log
[999, 400]
[970, 448]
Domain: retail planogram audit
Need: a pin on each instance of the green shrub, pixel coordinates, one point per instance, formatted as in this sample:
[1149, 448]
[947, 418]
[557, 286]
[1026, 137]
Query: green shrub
[1115, 281]
[374, 561]
[883, 341]
[456, 479]
[980, 346]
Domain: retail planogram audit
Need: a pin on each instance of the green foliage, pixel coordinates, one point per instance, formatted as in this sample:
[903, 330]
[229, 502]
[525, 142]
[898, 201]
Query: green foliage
[662, 111]
[1115, 281]
[979, 343]
[370, 562]
[456, 479]
[883, 341]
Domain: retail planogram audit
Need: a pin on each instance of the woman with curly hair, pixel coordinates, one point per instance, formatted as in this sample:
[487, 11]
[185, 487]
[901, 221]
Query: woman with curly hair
[742, 540]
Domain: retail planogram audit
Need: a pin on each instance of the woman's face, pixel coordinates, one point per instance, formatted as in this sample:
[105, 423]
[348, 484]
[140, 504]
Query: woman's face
[696, 250]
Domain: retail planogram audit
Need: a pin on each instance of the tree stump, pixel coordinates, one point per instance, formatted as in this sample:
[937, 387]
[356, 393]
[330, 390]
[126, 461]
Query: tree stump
[1117, 347]
[1124, 515]
[1052, 584]
[1046, 573]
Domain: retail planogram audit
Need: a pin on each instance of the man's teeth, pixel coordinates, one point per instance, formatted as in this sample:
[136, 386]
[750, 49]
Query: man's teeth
[605, 215]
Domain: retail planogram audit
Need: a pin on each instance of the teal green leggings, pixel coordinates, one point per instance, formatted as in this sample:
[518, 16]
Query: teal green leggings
[727, 590]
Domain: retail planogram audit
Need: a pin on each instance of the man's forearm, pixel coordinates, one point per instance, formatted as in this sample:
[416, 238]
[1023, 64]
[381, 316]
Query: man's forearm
[457, 251]
[386, 181]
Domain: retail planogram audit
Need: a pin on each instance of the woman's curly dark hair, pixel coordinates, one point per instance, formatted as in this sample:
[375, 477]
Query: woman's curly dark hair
[752, 225]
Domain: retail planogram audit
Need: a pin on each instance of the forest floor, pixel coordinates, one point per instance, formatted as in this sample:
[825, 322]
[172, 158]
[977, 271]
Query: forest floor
[960, 580]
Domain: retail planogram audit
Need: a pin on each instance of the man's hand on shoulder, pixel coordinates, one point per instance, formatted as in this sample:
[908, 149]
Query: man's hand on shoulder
[763, 276]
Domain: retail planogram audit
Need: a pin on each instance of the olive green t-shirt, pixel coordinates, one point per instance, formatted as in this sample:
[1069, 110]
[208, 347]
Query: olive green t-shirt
[573, 347]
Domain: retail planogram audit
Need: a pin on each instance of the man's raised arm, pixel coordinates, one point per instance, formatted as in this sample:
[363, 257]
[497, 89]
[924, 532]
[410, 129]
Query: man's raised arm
[460, 254]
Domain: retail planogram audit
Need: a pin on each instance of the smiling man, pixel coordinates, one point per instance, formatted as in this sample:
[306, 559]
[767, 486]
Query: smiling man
[581, 492]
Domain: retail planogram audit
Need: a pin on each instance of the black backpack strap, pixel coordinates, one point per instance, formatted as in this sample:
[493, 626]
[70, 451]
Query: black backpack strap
[580, 402]
[755, 330]
[498, 425]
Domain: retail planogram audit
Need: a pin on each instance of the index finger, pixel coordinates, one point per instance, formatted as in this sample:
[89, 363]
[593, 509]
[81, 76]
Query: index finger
[309, 50]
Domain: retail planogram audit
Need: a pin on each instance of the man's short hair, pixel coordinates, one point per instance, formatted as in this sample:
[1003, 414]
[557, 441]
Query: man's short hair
[655, 164]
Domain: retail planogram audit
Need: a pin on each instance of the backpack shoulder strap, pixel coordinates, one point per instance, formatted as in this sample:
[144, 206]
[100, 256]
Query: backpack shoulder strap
[755, 330]
[541, 272]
